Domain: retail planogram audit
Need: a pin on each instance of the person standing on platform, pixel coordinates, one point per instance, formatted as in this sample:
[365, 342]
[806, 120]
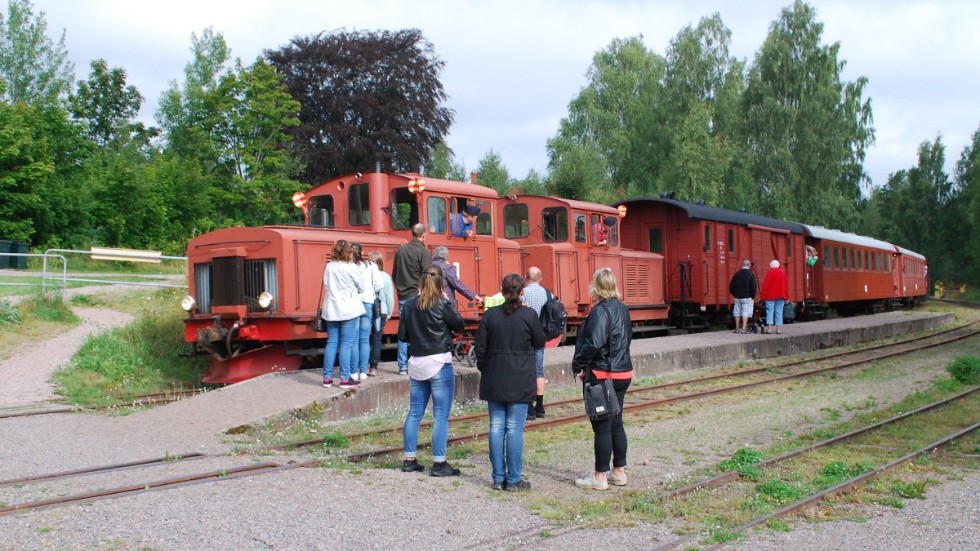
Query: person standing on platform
[775, 291]
[411, 259]
[387, 307]
[743, 288]
[440, 257]
[427, 325]
[535, 296]
[505, 347]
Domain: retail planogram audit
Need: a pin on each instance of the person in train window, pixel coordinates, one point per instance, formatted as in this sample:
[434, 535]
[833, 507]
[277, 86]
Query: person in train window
[580, 230]
[463, 222]
[775, 291]
[600, 231]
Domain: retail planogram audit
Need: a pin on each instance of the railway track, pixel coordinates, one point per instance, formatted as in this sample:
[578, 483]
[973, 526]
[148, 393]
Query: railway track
[470, 427]
[139, 400]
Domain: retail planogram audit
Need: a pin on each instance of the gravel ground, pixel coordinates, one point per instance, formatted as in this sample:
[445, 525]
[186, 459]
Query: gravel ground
[313, 508]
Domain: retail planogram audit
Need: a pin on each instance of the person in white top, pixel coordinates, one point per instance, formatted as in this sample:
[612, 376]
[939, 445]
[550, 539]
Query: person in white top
[341, 308]
[372, 287]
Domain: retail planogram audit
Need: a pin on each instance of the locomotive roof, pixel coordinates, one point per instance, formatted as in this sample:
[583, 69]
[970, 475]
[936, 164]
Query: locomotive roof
[820, 232]
[571, 203]
[718, 214]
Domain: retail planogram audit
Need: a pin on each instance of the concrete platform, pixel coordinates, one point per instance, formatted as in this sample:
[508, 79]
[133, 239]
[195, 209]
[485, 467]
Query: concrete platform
[255, 399]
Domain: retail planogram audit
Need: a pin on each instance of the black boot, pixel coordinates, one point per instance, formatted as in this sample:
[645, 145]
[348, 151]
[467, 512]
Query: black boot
[531, 415]
[539, 406]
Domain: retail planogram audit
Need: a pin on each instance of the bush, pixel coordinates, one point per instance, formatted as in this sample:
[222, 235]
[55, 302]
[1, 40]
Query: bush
[965, 369]
[9, 314]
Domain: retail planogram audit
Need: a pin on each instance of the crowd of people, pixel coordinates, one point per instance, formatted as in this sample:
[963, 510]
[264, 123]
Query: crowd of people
[774, 293]
[509, 347]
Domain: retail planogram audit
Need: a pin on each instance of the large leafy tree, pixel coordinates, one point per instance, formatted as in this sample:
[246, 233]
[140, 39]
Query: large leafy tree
[967, 180]
[25, 164]
[37, 70]
[442, 164]
[807, 129]
[108, 106]
[367, 98]
[611, 125]
[493, 173]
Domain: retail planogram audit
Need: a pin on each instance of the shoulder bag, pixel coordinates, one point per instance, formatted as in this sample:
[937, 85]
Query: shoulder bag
[319, 325]
[600, 398]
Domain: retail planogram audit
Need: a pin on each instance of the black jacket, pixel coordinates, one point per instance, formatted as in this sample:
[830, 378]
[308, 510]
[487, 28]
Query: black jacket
[429, 331]
[743, 284]
[603, 341]
[505, 345]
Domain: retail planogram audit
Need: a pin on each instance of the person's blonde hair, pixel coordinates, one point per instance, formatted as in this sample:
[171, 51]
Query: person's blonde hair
[603, 285]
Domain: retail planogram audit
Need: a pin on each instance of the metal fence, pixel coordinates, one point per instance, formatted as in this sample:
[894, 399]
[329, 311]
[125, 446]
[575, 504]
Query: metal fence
[55, 275]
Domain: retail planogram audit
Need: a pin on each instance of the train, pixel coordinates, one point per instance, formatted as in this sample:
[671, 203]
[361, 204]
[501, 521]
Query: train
[253, 291]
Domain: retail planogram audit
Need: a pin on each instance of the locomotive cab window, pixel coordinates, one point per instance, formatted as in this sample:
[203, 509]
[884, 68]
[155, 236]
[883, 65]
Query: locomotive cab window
[357, 201]
[580, 228]
[404, 209]
[435, 214]
[516, 223]
[554, 224]
[604, 230]
[321, 211]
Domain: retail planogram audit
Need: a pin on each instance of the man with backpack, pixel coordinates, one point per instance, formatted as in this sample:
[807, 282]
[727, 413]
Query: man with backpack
[536, 296]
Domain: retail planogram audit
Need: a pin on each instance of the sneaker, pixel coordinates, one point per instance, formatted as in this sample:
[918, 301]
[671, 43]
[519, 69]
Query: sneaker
[591, 483]
[372, 372]
[443, 469]
[327, 382]
[499, 486]
[350, 383]
[403, 371]
[616, 480]
[412, 466]
[520, 486]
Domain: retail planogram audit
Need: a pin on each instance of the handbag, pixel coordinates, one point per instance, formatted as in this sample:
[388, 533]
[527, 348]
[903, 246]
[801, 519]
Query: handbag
[377, 308]
[601, 400]
[319, 325]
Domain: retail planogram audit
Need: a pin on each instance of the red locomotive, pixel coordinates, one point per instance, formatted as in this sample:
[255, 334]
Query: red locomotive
[254, 291]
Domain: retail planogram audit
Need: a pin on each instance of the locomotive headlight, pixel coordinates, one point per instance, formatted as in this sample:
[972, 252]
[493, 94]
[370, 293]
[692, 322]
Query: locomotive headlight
[265, 299]
[187, 303]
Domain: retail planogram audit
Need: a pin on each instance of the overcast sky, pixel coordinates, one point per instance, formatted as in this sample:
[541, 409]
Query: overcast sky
[513, 66]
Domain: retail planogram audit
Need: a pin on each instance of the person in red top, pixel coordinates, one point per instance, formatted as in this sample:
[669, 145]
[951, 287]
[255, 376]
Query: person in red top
[775, 291]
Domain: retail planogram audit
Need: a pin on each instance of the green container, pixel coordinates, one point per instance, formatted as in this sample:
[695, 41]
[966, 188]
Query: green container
[19, 262]
[5, 248]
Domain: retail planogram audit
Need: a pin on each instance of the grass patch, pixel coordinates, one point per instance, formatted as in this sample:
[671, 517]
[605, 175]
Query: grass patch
[142, 358]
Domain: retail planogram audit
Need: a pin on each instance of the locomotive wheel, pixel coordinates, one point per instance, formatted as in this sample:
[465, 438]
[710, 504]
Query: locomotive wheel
[459, 351]
[471, 356]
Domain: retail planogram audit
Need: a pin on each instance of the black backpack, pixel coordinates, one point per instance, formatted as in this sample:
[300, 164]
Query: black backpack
[553, 317]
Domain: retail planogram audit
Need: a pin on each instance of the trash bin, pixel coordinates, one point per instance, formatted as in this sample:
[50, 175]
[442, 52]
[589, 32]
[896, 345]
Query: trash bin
[19, 262]
[4, 249]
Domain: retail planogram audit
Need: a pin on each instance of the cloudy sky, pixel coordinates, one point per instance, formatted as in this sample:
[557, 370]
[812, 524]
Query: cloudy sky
[513, 66]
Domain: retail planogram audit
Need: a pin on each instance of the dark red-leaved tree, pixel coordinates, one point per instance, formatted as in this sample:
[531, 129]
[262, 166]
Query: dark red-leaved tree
[367, 98]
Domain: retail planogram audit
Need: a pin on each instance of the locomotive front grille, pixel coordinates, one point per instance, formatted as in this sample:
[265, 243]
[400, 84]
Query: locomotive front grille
[232, 281]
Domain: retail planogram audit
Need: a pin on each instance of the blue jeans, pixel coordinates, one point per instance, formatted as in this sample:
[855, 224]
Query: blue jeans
[362, 346]
[441, 388]
[377, 332]
[775, 307]
[402, 346]
[339, 333]
[539, 363]
[507, 440]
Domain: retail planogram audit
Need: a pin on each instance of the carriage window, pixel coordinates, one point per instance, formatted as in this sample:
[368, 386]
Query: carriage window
[580, 228]
[484, 222]
[836, 258]
[357, 209]
[707, 238]
[554, 224]
[826, 256]
[321, 211]
[731, 240]
[516, 223]
[853, 265]
[404, 209]
[657, 240]
[860, 264]
[789, 247]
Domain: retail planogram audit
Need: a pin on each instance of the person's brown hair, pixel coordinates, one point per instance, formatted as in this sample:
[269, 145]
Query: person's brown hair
[341, 251]
[604, 285]
[511, 288]
[378, 259]
[430, 287]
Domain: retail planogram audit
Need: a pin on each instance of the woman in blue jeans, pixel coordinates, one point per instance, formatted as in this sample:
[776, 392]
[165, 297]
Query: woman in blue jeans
[428, 324]
[505, 347]
[341, 308]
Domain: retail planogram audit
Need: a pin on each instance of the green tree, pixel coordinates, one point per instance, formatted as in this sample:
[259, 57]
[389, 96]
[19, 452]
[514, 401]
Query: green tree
[493, 173]
[25, 164]
[368, 98]
[967, 178]
[108, 106]
[441, 163]
[612, 124]
[37, 71]
[807, 129]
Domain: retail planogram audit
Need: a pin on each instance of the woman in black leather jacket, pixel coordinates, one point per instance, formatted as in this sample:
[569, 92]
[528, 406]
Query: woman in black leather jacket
[602, 351]
[427, 325]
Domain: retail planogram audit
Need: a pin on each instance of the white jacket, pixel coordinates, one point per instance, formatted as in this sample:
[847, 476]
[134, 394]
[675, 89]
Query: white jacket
[372, 281]
[343, 282]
